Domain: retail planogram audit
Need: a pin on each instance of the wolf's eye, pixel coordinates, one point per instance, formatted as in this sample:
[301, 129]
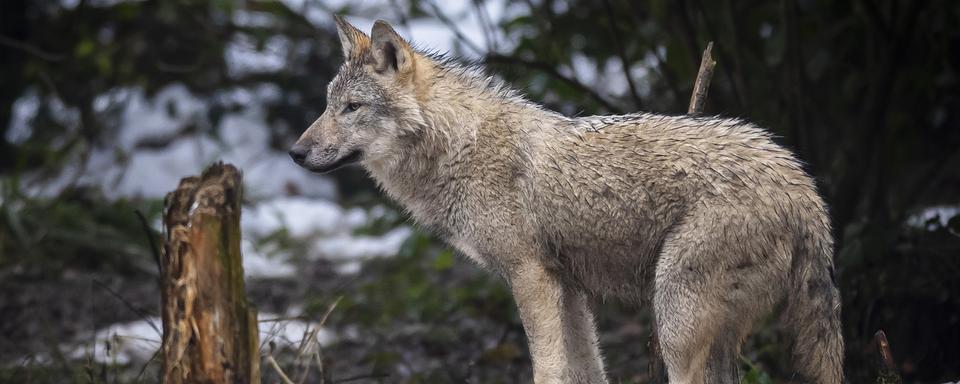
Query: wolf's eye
[351, 107]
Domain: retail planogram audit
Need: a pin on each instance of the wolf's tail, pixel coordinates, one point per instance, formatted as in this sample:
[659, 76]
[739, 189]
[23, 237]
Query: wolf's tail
[812, 315]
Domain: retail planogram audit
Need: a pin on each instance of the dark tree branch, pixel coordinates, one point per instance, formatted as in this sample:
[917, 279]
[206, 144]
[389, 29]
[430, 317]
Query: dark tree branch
[687, 29]
[139, 312]
[668, 74]
[33, 50]
[876, 17]
[857, 183]
[622, 53]
[151, 242]
[489, 29]
[734, 83]
[553, 72]
[453, 27]
[794, 71]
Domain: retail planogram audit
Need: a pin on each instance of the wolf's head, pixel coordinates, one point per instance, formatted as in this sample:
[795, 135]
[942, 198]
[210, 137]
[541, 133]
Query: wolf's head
[371, 103]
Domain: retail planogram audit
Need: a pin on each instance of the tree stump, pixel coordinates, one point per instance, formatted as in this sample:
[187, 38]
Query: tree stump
[209, 329]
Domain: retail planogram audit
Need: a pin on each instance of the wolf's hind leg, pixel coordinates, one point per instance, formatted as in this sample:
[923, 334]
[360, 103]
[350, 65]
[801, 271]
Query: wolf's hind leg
[708, 290]
[707, 354]
[686, 330]
[722, 364]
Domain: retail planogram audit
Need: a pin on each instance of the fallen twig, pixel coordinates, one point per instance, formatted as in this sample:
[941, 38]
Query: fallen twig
[276, 367]
[151, 241]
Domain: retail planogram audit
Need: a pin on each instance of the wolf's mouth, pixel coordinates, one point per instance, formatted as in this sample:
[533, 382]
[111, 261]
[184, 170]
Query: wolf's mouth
[350, 158]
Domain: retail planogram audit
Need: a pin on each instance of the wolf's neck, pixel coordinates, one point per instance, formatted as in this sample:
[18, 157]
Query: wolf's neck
[465, 108]
[459, 105]
[462, 101]
[470, 125]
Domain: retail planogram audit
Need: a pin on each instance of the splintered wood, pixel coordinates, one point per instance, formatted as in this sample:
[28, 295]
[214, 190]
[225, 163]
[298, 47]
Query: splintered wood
[209, 329]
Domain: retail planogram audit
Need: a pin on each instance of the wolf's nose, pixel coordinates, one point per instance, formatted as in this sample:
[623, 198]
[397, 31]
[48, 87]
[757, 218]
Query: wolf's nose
[299, 153]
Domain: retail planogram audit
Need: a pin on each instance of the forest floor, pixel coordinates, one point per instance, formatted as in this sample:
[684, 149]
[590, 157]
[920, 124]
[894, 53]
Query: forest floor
[420, 316]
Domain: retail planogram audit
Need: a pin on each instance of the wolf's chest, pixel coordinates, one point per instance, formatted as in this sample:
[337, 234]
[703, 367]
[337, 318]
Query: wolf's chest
[466, 248]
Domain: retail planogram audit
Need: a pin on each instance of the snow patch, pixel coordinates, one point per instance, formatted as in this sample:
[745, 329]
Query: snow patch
[264, 265]
[349, 252]
[136, 342]
[153, 173]
[121, 343]
[930, 217]
[22, 113]
[244, 57]
[163, 115]
[326, 225]
[300, 216]
[129, 167]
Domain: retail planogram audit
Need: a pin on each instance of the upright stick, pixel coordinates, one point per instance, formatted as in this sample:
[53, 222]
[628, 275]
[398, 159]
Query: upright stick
[702, 84]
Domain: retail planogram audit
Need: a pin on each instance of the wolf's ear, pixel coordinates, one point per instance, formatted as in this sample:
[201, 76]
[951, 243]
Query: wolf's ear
[391, 53]
[352, 40]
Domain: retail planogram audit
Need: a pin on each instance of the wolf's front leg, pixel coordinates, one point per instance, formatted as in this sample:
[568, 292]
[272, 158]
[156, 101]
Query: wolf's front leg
[580, 337]
[559, 327]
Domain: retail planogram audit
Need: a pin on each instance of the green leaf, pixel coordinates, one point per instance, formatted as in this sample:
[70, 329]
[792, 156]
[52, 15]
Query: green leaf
[84, 48]
[444, 260]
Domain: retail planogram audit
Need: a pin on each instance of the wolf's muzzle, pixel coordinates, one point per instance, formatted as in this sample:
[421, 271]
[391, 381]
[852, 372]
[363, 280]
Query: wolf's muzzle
[299, 153]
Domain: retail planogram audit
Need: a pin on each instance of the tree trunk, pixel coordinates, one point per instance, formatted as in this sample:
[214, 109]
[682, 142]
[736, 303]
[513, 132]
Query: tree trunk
[209, 329]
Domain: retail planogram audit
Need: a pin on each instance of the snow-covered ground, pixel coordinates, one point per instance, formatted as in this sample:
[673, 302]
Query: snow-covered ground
[137, 341]
[326, 226]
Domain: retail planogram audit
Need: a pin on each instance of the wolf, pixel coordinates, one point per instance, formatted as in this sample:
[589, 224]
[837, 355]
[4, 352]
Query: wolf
[705, 219]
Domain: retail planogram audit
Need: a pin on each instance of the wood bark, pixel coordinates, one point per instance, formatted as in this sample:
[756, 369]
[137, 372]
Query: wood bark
[209, 329]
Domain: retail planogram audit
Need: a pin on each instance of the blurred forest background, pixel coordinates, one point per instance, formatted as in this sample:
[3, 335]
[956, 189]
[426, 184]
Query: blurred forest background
[105, 104]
